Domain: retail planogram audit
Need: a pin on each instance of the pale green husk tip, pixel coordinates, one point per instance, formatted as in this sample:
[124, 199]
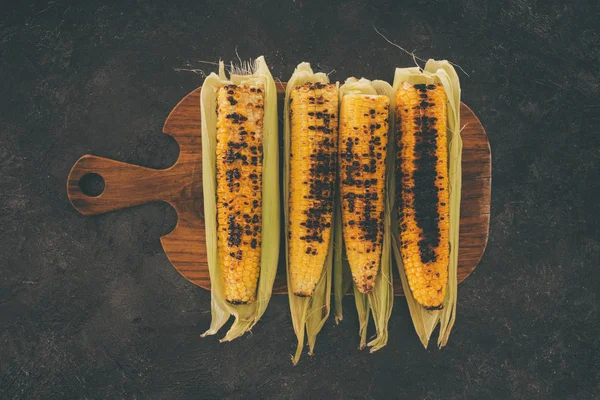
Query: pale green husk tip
[246, 316]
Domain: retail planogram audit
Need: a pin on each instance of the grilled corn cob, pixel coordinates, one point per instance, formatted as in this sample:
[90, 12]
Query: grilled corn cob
[240, 111]
[313, 157]
[422, 190]
[363, 143]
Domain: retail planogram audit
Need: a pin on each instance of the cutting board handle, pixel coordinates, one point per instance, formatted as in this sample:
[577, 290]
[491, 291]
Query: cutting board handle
[125, 185]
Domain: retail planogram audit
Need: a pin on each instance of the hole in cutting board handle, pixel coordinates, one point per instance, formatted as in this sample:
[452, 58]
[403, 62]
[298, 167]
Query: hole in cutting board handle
[91, 185]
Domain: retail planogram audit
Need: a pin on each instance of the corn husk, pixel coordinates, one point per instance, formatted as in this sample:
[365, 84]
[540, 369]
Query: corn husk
[380, 301]
[424, 320]
[246, 315]
[308, 313]
[342, 276]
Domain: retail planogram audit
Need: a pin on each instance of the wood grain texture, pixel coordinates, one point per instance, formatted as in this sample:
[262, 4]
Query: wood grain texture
[129, 185]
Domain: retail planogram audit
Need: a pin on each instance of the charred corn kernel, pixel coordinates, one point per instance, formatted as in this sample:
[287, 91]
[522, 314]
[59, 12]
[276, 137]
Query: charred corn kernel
[313, 158]
[422, 190]
[240, 111]
[363, 143]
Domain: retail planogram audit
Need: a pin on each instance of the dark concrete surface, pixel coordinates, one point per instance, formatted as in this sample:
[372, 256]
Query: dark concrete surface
[90, 306]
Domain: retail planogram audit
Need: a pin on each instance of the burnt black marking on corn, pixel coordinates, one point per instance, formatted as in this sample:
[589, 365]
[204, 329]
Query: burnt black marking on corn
[348, 154]
[236, 118]
[229, 156]
[425, 191]
[357, 165]
[327, 142]
[321, 173]
[234, 234]
[370, 225]
[351, 201]
[401, 200]
[399, 176]
[231, 177]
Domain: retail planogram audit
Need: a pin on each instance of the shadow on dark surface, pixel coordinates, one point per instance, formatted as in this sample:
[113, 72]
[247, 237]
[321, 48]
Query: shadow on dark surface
[90, 306]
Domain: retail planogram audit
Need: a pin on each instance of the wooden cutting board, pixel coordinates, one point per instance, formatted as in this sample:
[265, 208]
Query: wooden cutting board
[128, 185]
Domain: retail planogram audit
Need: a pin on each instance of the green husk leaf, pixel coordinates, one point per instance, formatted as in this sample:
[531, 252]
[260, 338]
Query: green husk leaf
[380, 301]
[363, 310]
[308, 313]
[247, 315]
[424, 320]
[342, 277]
